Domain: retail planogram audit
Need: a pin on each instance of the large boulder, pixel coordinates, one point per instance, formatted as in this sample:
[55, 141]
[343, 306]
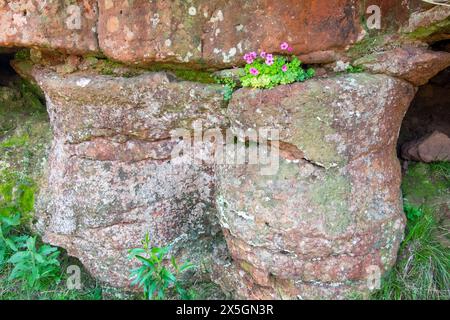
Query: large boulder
[112, 177]
[209, 33]
[331, 216]
[203, 33]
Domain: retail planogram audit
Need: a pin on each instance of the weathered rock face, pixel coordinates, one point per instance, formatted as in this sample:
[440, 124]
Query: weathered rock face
[320, 227]
[431, 25]
[57, 25]
[111, 177]
[416, 65]
[211, 32]
[332, 213]
[203, 33]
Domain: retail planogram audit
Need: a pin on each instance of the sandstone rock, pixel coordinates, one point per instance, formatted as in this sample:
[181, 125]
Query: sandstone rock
[416, 65]
[202, 33]
[431, 24]
[431, 148]
[111, 176]
[326, 220]
[209, 33]
[56, 25]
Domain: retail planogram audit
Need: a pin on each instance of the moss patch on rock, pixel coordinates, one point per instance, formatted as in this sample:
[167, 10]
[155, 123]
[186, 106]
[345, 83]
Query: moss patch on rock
[25, 133]
[431, 31]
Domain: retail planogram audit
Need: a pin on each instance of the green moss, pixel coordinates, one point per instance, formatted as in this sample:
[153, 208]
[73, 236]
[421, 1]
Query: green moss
[366, 46]
[330, 195]
[183, 73]
[441, 27]
[194, 75]
[247, 267]
[312, 125]
[112, 68]
[23, 54]
[14, 141]
[24, 132]
[424, 182]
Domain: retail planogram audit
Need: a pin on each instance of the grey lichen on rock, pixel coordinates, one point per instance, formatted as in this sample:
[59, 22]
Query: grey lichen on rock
[313, 228]
[112, 177]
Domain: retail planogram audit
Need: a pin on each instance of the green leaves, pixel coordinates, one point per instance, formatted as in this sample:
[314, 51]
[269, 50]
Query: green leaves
[36, 268]
[281, 72]
[229, 86]
[16, 194]
[412, 213]
[158, 275]
[353, 69]
[7, 243]
[16, 201]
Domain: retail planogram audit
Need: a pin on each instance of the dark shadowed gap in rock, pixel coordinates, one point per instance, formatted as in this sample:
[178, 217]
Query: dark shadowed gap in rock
[443, 45]
[24, 92]
[7, 73]
[425, 132]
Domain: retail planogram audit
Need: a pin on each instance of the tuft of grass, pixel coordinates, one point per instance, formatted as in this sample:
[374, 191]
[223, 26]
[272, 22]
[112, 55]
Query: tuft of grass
[422, 271]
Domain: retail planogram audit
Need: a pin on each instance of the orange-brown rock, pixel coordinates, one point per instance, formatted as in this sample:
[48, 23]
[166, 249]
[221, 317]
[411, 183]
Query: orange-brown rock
[56, 25]
[413, 64]
[218, 33]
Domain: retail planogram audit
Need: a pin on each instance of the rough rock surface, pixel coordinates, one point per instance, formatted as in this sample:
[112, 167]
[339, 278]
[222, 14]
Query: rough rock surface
[204, 33]
[431, 148]
[413, 64]
[429, 24]
[57, 25]
[212, 32]
[111, 177]
[332, 213]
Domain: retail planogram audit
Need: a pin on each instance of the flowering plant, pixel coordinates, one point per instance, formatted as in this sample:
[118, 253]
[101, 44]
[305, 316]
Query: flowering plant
[264, 70]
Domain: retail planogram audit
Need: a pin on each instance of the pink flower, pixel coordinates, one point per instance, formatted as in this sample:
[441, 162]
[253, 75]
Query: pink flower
[263, 54]
[284, 68]
[290, 49]
[248, 58]
[253, 54]
[269, 59]
[284, 46]
[254, 71]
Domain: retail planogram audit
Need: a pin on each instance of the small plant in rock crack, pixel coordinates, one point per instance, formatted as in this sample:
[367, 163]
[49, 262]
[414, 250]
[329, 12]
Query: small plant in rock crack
[36, 267]
[264, 70]
[158, 275]
[353, 69]
[229, 86]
